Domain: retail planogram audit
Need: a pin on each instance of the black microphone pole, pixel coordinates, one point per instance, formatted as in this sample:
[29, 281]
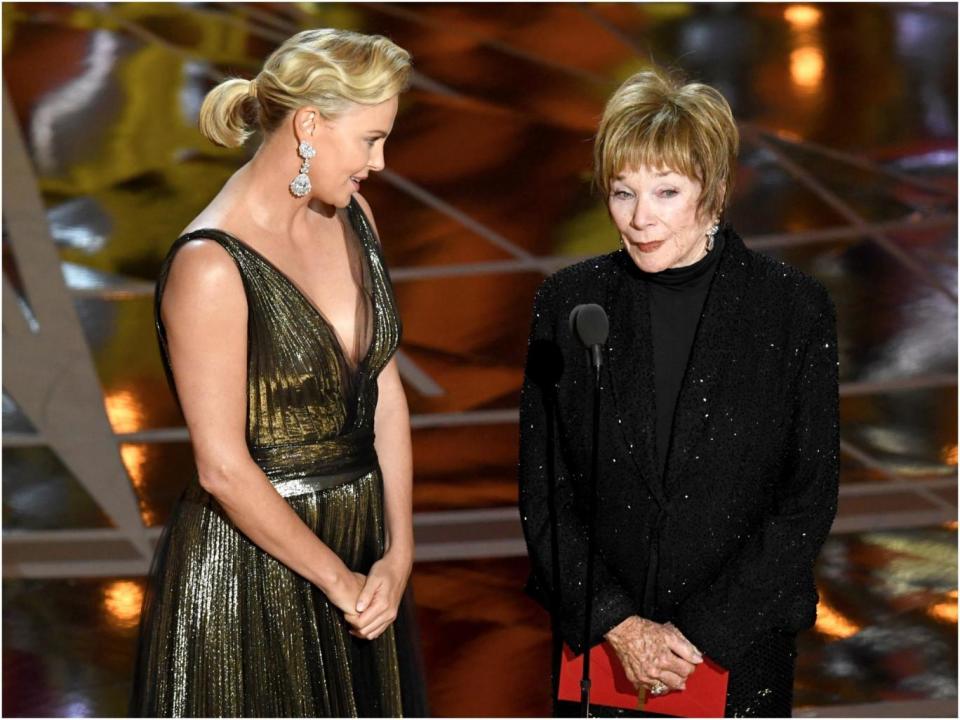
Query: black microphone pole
[589, 323]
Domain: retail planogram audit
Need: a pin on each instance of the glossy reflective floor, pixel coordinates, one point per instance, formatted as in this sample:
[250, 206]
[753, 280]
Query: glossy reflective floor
[886, 632]
[848, 171]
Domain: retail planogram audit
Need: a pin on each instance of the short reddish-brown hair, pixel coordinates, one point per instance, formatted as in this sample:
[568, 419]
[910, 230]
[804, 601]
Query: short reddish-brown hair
[655, 121]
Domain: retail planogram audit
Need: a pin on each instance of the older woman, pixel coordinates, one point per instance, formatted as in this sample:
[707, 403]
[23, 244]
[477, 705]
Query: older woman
[719, 418]
[277, 581]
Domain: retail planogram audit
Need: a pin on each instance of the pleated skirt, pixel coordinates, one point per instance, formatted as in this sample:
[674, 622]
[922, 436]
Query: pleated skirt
[227, 630]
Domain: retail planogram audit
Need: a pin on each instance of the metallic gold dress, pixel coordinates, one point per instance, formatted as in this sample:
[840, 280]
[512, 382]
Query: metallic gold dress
[226, 629]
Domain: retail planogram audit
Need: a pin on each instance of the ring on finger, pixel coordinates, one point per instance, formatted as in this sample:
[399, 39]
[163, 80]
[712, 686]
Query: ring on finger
[658, 688]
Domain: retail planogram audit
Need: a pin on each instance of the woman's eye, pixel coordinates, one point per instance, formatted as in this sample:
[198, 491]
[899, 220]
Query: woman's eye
[371, 142]
[667, 193]
[622, 194]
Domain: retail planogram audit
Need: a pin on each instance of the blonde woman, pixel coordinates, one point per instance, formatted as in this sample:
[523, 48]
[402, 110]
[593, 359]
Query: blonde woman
[719, 419]
[277, 581]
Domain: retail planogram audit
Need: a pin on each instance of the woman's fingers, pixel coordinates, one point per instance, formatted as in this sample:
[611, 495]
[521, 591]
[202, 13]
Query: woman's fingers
[381, 610]
[681, 646]
[375, 629]
[379, 630]
[633, 677]
[654, 653]
[370, 588]
[631, 666]
[677, 665]
[375, 606]
[671, 680]
[374, 611]
[361, 621]
[386, 615]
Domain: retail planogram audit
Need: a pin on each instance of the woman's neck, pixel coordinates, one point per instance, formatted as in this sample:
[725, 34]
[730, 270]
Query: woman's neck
[260, 191]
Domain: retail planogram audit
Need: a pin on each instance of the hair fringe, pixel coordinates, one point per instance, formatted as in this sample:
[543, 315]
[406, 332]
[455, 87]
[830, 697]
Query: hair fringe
[654, 119]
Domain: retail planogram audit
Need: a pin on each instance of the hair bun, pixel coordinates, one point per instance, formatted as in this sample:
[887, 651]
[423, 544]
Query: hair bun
[325, 68]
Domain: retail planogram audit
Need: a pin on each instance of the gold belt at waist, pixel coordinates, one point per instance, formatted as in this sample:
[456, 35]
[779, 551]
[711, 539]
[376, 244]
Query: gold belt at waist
[292, 487]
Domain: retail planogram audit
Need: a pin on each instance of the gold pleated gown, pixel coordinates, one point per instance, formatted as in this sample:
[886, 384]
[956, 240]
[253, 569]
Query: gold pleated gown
[226, 629]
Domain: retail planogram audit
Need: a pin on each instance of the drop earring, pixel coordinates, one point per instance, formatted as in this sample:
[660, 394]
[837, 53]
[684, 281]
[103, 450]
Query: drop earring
[300, 185]
[711, 234]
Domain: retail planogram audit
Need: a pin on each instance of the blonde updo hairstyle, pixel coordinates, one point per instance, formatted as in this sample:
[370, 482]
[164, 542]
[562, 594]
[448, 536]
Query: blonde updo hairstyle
[326, 69]
[653, 120]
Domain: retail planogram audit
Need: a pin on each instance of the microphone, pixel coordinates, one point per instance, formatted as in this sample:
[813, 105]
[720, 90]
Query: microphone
[590, 325]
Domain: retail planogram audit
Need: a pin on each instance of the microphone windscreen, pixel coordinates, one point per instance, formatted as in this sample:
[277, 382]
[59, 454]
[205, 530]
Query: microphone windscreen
[590, 324]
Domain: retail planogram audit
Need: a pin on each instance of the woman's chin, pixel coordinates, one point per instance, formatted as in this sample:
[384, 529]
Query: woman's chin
[337, 201]
[649, 262]
[343, 199]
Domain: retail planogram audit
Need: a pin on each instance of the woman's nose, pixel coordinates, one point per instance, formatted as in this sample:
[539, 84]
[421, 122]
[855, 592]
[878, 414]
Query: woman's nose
[641, 216]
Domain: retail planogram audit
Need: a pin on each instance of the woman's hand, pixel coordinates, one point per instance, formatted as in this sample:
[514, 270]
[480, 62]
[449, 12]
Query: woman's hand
[651, 653]
[344, 593]
[376, 606]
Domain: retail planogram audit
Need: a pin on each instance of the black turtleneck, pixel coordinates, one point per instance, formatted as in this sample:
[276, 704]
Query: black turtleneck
[676, 302]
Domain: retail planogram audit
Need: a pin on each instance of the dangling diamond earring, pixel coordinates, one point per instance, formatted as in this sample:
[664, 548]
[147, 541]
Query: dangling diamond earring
[300, 185]
[711, 234]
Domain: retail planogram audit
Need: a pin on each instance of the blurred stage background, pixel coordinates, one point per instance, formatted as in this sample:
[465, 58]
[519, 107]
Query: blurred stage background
[848, 171]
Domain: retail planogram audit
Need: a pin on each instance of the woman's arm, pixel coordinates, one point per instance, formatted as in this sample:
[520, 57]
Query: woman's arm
[204, 313]
[383, 590]
[392, 428]
[769, 583]
[555, 532]
[380, 598]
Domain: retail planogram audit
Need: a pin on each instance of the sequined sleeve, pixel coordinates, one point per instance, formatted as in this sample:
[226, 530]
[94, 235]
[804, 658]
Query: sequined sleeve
[769, 583]
[558, 550]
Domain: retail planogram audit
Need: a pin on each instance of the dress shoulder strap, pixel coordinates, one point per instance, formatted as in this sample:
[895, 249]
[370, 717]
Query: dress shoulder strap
[361, 224]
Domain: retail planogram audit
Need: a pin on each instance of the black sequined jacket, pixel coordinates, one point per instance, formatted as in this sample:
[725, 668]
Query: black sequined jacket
[724, 544]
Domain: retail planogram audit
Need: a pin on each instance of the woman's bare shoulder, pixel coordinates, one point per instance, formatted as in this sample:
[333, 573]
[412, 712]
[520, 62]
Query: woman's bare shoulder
[203, 258]
[202, 273]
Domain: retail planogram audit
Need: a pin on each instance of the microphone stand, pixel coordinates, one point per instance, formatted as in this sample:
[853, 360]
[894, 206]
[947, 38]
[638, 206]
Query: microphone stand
[591, 533]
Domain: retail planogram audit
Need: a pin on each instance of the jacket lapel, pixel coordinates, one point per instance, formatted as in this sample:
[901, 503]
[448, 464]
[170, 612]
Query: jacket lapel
[712, 357]
[630, 368]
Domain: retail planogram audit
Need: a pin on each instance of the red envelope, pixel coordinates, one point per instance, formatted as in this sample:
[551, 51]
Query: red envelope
[705, 696]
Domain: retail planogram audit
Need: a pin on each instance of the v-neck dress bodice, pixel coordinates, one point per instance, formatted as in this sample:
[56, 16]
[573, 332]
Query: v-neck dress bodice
[226, 629]
[309, 408]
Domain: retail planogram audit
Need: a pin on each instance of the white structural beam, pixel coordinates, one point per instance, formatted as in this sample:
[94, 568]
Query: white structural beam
[48, 369]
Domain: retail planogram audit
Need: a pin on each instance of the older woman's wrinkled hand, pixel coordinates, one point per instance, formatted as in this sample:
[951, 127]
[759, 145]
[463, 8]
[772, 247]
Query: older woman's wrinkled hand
[652, 652]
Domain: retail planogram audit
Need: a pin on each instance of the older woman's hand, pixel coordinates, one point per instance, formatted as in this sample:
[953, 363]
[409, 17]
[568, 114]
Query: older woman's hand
[652, 652]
